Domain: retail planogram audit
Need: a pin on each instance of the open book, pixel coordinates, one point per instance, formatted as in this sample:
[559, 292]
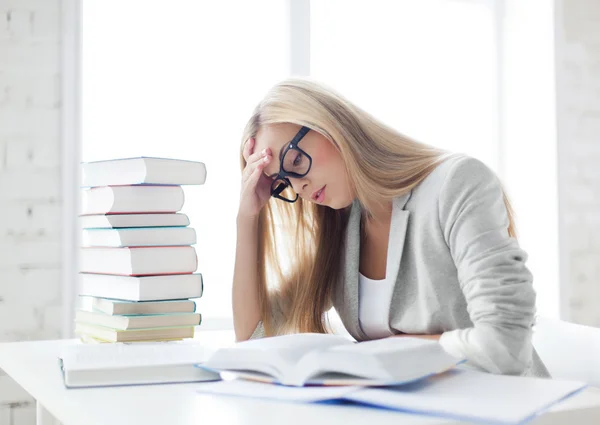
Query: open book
[319, 359]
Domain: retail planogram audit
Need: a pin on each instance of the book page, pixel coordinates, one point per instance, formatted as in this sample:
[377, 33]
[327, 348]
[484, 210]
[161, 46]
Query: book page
[291, 348]
[276, 356]
[386, 345]
[238, 387]
[389, 361]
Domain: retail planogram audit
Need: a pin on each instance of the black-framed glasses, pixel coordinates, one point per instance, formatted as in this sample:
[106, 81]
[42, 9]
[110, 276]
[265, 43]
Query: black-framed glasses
[294, 162]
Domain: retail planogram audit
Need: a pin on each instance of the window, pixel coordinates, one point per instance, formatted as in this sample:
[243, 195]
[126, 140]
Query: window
[180, 79]
[426, 68]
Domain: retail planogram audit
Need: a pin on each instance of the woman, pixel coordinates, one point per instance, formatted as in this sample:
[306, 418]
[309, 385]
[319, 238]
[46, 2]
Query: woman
[401, 238]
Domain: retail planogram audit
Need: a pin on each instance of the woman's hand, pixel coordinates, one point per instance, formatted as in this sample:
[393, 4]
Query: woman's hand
[432, 337]
[256, 187]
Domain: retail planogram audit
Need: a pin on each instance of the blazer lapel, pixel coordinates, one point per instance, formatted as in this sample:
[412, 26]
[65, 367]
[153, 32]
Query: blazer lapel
[348, 310]
[398, 228]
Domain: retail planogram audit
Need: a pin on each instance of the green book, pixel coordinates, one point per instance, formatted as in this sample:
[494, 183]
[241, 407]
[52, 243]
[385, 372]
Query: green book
[113, 307]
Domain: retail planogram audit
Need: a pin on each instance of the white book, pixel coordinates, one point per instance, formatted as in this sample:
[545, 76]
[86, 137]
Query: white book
[115, 306]
[139, 261]
[130, 364]
[131, 335]
[114, 221]
[143, 170]
[142, 288]
[140, 321]
[132, 199]
[325, 359]
[147, 236]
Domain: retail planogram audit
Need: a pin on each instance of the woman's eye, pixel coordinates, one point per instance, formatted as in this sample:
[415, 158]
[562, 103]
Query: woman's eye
[297, 160]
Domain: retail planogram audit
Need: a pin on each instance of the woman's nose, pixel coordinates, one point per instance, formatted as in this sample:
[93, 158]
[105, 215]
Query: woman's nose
[299, 186]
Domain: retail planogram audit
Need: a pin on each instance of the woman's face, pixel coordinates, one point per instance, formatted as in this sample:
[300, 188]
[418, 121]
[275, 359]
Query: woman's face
[327, 171]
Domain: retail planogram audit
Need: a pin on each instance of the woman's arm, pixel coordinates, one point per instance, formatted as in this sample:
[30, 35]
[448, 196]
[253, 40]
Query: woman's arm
[491, 270]
[255, 192]
[246, 306]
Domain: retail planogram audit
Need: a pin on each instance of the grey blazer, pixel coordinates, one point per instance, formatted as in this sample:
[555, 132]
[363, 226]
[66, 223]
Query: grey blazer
[458, 273]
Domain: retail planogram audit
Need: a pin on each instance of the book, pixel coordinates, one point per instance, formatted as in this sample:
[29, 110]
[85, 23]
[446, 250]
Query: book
[464, 395]
[114, 306]
[132, 199]
[115, 221]
[87, 339]
[145, 334]
[142, 288]
[139, 321]
[85, 365]
[325, 359]
[148, 236]
[133, 261]
[143, 170]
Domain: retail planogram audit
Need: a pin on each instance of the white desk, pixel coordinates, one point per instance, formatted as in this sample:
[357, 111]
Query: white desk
[34, 366]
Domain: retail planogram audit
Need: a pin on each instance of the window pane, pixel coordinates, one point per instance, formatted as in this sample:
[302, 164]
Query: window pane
[426, 68]
[179, 79]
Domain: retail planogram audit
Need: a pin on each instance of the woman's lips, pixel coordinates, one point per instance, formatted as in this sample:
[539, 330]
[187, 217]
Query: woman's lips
[319, 195]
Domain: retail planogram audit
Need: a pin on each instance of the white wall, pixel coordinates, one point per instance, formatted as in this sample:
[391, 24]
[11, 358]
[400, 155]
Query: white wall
[528, 138]
[30, 184]
[578, 118]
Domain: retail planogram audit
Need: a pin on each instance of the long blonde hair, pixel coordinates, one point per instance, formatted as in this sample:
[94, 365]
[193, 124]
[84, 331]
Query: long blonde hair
[382, 164]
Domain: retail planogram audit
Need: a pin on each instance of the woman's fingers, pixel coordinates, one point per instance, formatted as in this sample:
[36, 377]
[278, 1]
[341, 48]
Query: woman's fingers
[258, 163]
[248, 148]
[258, 156]
[255, 176]
[254, 159]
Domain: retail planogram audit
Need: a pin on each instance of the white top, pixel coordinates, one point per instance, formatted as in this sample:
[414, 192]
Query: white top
[374, 298]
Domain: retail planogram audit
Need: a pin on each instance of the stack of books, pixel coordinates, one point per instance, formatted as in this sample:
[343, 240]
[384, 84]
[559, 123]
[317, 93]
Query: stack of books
[138, 264]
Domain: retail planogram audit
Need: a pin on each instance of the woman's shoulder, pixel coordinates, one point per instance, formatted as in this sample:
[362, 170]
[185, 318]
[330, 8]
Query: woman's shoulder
[457, 178]
[457, 173]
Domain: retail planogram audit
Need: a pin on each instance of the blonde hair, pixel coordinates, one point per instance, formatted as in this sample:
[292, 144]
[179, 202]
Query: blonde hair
[382, 164]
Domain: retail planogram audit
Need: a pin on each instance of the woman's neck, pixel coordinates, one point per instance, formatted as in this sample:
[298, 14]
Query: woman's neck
[377, 220]
[381, 213]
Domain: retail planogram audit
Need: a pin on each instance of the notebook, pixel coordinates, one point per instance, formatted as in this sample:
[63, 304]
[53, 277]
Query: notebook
[459, 394]
[133, 364]
[474, 396]
[325, 359]
[143, 170]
